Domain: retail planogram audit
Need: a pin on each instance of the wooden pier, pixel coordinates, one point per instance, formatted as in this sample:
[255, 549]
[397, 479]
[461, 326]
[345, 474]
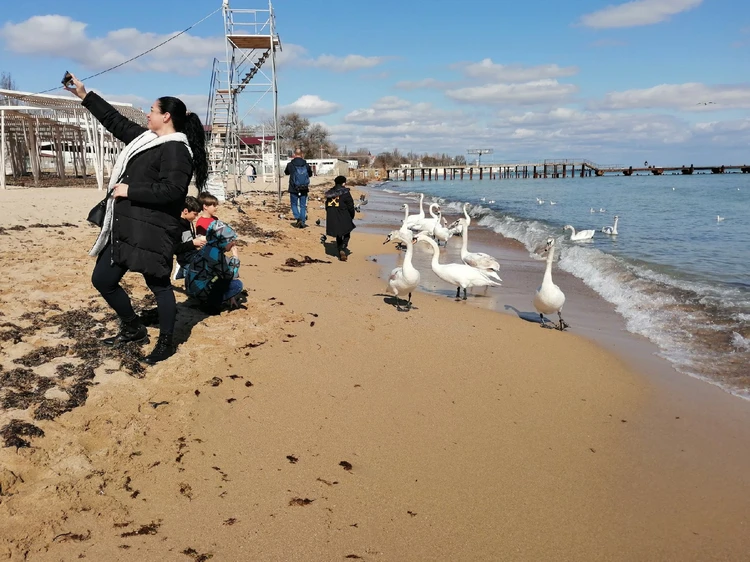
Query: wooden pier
[547, 169]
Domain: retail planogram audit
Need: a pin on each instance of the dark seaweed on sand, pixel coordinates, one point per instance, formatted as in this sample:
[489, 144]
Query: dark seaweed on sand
[150, 529]
[12, 432]
[42, 355]
[246, 227]
[292, 262]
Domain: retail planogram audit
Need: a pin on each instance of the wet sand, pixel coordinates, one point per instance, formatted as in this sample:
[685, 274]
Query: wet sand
[318, 423]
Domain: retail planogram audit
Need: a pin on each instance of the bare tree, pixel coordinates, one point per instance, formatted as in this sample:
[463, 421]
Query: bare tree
[7, 83]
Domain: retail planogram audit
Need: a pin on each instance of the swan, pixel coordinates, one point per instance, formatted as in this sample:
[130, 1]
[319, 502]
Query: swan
[404, 279]
[602, 210]
[458, 225]
[611, 229]
[440, 232]
[418, 217]
[553, 202]
[484, 262]
[719, 219]
[592, 210]
[549, 298]
[491, 201]
[540, 201]
[460, 274]
[580, 235]
[426, 225]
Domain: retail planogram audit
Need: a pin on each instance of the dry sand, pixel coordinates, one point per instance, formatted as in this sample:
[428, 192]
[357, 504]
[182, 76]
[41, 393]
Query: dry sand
[339, 428]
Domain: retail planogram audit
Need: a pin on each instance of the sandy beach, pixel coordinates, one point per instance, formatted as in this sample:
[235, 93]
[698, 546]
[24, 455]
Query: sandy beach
[318, 423]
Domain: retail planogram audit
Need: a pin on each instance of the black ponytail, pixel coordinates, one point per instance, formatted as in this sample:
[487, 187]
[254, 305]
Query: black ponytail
[189, 124]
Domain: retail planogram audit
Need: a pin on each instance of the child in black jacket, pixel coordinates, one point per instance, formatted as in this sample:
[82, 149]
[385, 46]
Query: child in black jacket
[340, 215]
[190, 244]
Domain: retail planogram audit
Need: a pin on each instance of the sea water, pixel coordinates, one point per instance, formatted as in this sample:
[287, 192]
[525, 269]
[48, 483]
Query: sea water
[677, 271]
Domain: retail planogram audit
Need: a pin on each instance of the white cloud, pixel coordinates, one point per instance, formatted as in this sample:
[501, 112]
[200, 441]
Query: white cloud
[347, 63]
[311, 106]
[489, 71]
[691, 96]
[392, 111]
[61, 36]
[426, 83]
[296, 55]
[529, 93]
[638, 12]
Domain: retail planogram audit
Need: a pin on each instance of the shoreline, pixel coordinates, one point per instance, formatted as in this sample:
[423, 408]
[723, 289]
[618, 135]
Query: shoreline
[449, 433]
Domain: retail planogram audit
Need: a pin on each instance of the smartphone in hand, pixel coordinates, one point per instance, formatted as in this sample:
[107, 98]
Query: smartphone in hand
[67, 80]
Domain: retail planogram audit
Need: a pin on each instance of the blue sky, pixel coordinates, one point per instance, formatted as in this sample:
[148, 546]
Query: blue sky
[614, 82]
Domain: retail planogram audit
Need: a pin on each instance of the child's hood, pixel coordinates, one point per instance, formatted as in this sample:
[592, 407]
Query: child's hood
[220, 234]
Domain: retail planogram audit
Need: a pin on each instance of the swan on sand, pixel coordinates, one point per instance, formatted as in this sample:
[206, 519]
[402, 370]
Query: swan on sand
[484, 262]
[580, 235]
[405, 279]
[549, 298]
[459, 274]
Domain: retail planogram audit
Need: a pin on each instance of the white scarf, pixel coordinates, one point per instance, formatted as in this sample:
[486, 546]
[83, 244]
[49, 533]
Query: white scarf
[144, 141]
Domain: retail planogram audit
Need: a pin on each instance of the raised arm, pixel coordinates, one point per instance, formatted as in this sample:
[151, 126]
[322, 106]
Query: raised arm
[122, 128]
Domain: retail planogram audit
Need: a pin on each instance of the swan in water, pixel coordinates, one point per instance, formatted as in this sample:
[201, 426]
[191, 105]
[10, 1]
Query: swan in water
[427, 225]
[440, 232]
[459, 274]
[553, 202]
[580, 235]
[484, 262]
[491, 201]
[611, 229]
[404, 279]
[539, 201]
[410, 219]
[549, 298]
[592, 210]
[404, 231]
[719, 219]
[601, 210]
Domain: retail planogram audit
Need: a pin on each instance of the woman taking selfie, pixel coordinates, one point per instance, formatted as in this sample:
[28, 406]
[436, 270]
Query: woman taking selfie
[142, 222]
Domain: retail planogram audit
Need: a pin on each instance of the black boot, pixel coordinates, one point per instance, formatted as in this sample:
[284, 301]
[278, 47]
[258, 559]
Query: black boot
[164, 349]
[131, 330]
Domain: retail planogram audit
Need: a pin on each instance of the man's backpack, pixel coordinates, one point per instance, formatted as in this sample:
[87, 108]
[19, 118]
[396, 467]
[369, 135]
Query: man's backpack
[300, 178]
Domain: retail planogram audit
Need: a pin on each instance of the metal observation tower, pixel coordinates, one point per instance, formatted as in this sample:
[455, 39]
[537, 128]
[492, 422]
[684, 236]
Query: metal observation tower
[243, 86]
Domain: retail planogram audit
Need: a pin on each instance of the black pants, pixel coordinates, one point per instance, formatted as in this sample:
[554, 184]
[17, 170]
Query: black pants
[106, 279]
[342, 242]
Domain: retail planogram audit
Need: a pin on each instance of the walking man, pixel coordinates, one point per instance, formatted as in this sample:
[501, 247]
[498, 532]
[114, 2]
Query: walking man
[299, 173]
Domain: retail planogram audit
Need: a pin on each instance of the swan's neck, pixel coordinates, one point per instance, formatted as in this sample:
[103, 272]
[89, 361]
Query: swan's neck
[468, 218]
[465, 241]
[615, 225]
[432, 213]
[435, 253]
[406, 213]
[572, 231]
[409, 253]
[548, 271]
[421, 203]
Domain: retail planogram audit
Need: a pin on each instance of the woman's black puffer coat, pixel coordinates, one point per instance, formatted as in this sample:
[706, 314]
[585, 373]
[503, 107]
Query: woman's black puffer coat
[146, 226]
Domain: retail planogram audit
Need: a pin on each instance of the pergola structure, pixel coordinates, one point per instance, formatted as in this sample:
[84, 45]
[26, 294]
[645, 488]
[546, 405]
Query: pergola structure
[34, 127]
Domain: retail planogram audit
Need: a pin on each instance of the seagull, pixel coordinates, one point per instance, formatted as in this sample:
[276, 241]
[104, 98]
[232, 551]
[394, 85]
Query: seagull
[706, 103]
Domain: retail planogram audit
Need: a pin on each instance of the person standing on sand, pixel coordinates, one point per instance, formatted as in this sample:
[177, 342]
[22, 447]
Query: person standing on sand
[340, 215]
[141, 226]
[299, 173]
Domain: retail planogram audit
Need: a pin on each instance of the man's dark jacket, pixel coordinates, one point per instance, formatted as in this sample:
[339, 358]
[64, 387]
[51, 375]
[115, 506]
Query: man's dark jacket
[146, 226]
[339, 211]
[297, 161]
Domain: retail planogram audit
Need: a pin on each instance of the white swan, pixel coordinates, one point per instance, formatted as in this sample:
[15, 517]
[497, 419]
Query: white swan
[426, 225]
[484, 262]
[459, 274]
[458, 226]
[419, 216]
[440, 232]
[611, 229]
[580, 235]
[553, 202]
[404, 279]
[602, 210]
[592, 210]
[403, 230]
[719, 218]
[549, 298]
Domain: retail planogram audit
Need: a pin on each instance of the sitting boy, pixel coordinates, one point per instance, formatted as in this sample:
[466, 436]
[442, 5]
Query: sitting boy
[209, 204]
[190, 243]
[211, 277]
